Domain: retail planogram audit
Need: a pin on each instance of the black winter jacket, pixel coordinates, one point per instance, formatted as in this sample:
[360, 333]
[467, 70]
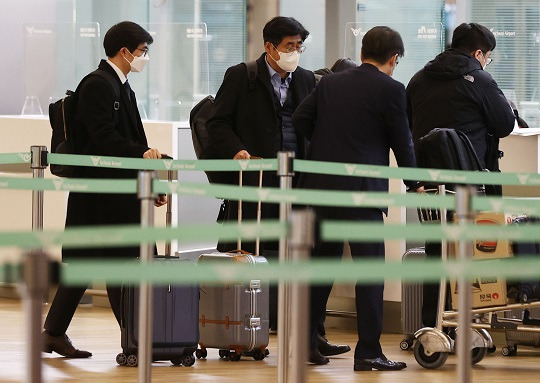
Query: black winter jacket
[452, 91]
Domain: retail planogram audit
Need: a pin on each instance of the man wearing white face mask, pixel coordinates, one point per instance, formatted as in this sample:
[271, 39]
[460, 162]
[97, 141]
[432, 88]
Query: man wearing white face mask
[253, 118]
[105, 125]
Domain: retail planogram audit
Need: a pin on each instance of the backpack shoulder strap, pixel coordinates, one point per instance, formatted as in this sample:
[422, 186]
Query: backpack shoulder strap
[113, 82]
[252, 72]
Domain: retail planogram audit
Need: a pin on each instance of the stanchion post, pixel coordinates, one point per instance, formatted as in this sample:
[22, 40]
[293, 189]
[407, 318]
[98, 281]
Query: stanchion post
[168, 216]
[444, 256]
[38, 165]
[35, 274]
[285, 174]
[302, 223]
[147, 197]
[464, 215]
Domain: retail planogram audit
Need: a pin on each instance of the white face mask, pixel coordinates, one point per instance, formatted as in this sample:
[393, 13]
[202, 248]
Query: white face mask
[138, 63]
[288, 61]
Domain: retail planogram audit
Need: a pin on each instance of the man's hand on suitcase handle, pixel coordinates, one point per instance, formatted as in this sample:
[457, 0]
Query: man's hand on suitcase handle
[161, 200]
[152, 153]
[242, 155]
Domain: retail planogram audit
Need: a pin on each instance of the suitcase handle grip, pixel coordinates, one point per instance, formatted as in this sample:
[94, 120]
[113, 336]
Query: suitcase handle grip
[238, 251]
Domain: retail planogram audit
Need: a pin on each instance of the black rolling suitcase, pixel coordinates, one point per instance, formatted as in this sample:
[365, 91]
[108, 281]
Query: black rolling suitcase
[523, 291]
[175, 323]
[526, 290]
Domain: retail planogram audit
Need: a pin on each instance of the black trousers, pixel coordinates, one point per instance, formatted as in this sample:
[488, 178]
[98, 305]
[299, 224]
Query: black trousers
[369, 297]
[65, 303]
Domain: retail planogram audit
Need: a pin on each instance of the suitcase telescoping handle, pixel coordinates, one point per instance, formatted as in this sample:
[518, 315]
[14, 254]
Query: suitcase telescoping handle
[240, 183]
[168, 214]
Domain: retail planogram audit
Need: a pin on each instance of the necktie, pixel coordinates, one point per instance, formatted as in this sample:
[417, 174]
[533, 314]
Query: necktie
[127, 89]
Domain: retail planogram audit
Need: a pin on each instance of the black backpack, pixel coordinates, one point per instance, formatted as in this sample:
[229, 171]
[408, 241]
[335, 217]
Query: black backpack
[340, 65]
[197, 122]
[62, 117]
[449, 149]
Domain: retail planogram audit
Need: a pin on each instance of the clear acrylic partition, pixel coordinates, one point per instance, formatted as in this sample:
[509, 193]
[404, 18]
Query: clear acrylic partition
[423, 41]
[177, 76]
[515, 65]
[56, 57]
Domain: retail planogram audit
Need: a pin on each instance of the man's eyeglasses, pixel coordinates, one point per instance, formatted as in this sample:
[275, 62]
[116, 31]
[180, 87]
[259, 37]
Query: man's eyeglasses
[144, 51]
[290, 50]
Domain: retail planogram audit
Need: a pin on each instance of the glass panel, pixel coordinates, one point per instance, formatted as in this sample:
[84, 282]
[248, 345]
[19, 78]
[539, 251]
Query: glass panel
[517, 54]
[224, 38]
[312, 15]
[423, 41]
[56, 56]
[177, 76]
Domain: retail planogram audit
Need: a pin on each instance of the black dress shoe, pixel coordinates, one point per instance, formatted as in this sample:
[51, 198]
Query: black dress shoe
[62, 345]
[380, 363]
[328, 349]
[316, 357]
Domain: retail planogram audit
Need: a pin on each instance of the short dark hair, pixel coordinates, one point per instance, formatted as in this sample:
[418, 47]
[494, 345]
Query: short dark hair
[279, 27]
[125, 34]
[343, 64]
[381, 43]
[469, 37]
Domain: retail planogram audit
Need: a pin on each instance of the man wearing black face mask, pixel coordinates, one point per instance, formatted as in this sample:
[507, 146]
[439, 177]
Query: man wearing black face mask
[454, 91]
[105, 125]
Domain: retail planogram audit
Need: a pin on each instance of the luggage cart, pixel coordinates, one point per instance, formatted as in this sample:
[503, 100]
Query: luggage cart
[433, 345]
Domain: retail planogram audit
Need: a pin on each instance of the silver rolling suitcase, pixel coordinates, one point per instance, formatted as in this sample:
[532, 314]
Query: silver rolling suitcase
[411, 301]
[234, 317]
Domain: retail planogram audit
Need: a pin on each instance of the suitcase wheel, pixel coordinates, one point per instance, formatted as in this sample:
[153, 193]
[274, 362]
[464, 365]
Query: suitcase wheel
[406, 344]
[201, 353]
[234, 357]
[132, 361]
[121, 359]
[188, 360]
[177, 361]
[224, 354]
[509, 350]
[258, 355]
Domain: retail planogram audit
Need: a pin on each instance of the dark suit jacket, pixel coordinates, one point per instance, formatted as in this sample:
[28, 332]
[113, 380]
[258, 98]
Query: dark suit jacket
[246, 119]
[355, 116]
[96, 133]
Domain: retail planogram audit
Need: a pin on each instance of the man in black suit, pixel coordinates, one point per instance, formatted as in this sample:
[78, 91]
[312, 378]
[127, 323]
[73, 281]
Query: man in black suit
[357, 116]
[108, 127]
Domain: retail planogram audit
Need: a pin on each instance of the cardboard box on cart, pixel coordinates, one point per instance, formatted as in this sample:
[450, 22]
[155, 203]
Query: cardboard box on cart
[486, 291]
